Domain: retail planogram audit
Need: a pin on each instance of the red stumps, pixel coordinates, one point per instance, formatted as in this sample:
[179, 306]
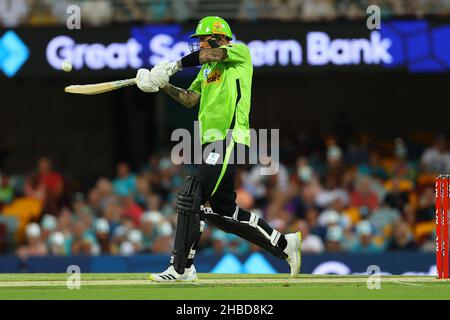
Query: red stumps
[442, 211]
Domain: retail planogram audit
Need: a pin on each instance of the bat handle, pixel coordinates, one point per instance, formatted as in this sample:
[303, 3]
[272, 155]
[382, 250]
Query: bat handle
[125, 83]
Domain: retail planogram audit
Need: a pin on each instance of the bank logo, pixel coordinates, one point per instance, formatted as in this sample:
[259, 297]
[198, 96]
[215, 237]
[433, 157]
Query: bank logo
[13, 53]
[418, 46]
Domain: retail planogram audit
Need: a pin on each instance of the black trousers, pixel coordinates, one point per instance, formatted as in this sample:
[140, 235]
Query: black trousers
[217, 174]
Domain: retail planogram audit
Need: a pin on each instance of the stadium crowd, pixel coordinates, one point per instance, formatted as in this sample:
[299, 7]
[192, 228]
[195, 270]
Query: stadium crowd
[345, 194]
[14, 13]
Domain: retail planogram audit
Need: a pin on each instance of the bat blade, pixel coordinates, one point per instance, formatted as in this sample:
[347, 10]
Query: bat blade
[97, 88]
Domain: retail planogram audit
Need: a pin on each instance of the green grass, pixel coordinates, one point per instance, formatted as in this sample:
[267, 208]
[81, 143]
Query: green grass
[220, 287]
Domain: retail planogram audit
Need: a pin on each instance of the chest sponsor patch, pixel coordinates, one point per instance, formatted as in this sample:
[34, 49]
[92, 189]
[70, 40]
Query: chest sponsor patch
[213, 77]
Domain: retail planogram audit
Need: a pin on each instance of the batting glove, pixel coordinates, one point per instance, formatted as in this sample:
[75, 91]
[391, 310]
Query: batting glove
[170, 67]
[144, 81]
[159, 77]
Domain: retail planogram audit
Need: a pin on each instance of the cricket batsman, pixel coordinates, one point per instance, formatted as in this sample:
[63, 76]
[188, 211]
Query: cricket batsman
[223, 90]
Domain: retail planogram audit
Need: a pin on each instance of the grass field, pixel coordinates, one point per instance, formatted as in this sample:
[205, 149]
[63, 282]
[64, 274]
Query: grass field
[220, 287]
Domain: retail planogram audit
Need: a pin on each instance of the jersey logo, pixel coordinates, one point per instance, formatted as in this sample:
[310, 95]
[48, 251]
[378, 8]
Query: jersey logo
[218, 27]
[213, 77]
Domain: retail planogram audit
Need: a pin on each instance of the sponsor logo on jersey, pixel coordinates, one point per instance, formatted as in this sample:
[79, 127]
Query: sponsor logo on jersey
[214, 76]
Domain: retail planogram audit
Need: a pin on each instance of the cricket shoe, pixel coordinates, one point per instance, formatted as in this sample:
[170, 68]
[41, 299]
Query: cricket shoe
[170, 275]
[293, 250]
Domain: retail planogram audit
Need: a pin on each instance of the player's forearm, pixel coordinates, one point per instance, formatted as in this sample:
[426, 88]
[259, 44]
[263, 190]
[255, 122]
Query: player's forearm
[202, 56]
[187, 98]
[212, 55]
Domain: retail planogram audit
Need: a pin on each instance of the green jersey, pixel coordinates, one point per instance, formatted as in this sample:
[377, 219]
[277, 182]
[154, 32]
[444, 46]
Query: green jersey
[225, 89]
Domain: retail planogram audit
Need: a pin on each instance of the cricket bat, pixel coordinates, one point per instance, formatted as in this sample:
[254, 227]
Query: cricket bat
[97, 88]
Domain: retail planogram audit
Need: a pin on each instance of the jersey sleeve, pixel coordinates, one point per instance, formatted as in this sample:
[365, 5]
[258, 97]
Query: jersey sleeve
[237, 53]
[196, 85]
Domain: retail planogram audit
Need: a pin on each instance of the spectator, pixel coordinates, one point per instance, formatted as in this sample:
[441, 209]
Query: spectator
[56, 244]
[125, 183]
[310, 242]
[329, 218]
[153, 11]
[135, 238]
[159, 10]
[164, 242]
[374, 167]
[48, 225]
[383, 218]
[365, 242]
[52, 182]
[181, 10]
[237, 245]
[244, 199]
[218, 243]
[332, 193]
[397, 198]
[102, 235]
[352, 9]
[97, 12]
[6, 191]
[409, 215]
[128, 11]
[315, 10]
[65, 221]
[131, 210]
[427, 205]
[363, 196]
[13, 12]
[436, 159]
[34, 245]
[251, 10]
[104, 193]
[261, 185]
[126, 249]
[402, 238]
[119, 237]
[142, 190]
[81, 242]
[334, 159]
[113, 213]
[284, 10]
[402, 168]
[149, 228]
[305, 172]
[334, 237]
[312, 218]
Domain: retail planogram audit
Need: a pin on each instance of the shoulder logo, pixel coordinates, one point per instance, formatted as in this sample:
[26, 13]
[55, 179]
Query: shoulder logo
[206, 72]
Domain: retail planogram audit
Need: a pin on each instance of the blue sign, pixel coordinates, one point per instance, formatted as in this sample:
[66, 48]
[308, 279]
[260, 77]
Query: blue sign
[418, 46]
[162, 42]
[397, 263]
[13, 53]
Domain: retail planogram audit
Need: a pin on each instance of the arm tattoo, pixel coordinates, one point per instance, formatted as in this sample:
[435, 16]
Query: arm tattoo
[212, 55]
[187, 98]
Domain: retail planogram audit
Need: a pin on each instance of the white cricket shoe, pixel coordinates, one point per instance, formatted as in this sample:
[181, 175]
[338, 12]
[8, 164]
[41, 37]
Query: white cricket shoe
[293, 250]
[170, 275]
